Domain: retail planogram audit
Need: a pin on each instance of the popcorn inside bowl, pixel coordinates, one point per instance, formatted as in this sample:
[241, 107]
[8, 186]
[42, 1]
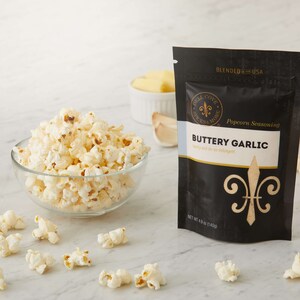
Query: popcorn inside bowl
[78, 162]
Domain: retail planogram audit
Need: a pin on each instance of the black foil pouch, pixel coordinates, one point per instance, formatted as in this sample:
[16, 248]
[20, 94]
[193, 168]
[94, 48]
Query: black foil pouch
[238, 136]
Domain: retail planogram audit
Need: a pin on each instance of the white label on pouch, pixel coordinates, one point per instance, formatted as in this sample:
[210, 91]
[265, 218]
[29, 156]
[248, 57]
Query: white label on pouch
[228, 146]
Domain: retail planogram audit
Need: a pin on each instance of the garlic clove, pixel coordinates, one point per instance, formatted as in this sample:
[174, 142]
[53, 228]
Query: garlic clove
[164, 130]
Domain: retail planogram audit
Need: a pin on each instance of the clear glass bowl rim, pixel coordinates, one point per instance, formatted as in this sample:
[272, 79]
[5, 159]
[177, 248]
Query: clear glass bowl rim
[124, 171]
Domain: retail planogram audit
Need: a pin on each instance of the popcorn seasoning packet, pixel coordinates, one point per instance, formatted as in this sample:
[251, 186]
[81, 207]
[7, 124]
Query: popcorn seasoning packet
[238, 137]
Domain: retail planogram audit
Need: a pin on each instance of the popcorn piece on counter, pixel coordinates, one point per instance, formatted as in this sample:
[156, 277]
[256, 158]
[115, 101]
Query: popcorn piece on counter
[77, 258]
[2, 282]
[113, 238]
[9, 220]
[46, 230]
[227, 271]
[105, 240]
[10, 244]
[114, 279]
[72, 144]
[139, 281]
[39, 261]
[124, 275]
[294, 272]
[150, 276]
[110, 279]
[13, 221]
[3, 228]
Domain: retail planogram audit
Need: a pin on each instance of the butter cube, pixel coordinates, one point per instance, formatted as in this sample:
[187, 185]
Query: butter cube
[166, 76]
[150, 85]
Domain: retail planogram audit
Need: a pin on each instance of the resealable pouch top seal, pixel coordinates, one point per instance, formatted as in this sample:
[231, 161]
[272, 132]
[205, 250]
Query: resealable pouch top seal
[238, 135]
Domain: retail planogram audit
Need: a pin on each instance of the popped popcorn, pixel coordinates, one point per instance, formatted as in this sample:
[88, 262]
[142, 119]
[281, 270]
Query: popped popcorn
[77, 258]
[113, 238]
[46, 230]
[39, 261]
[150, 276]
[72, 144]
[114, 279]
[9, 220]
[227, 271]
[294, 272]
[124, 275]
[2, 282]
[10, 244]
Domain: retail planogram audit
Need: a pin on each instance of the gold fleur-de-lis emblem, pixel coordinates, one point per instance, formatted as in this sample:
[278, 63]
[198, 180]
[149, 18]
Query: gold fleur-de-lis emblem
[205, 109]
[252, 192]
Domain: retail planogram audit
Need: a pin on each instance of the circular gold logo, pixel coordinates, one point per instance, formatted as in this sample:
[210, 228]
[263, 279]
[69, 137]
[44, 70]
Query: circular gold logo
[207, 108]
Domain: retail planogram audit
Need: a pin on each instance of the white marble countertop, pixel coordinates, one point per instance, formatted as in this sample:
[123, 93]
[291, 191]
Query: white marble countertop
[64, 53]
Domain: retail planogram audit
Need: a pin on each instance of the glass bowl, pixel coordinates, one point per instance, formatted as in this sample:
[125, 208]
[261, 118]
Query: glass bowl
[79, 196]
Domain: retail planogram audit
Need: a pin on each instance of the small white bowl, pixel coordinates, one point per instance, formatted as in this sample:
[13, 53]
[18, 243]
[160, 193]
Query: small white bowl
[143, 104]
